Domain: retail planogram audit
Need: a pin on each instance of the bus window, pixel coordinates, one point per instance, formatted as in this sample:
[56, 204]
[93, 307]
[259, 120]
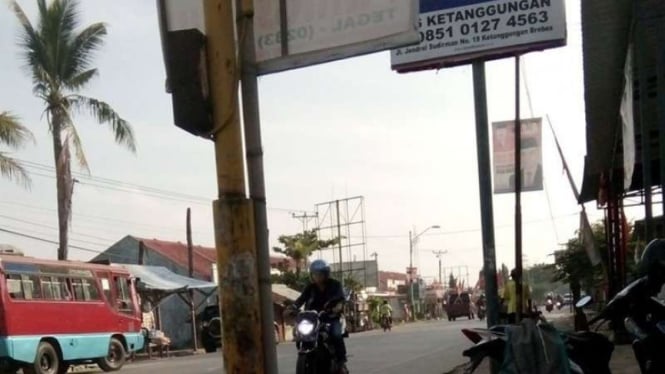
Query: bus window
[14, 286]
[106, 289]
[90, 291]
[77, 288]
[55, 288]
[31, 288]
[124, 297]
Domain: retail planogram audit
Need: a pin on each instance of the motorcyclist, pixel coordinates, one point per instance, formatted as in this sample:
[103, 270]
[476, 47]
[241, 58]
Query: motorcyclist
[324, 293]
[386, 311]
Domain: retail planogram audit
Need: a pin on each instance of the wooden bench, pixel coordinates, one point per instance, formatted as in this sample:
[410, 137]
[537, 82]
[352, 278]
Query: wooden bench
[162, 348]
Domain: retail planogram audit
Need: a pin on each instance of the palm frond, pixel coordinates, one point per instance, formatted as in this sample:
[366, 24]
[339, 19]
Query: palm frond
[105, 114]
[57, 25]
[79, 81]
[34, 49]
[72, 137]
[82, 49]
[13, 170]
[12, 133]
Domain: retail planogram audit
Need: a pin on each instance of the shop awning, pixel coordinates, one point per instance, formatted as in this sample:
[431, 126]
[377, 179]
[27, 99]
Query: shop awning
[159, 278]
[156, 283]
[281, 293]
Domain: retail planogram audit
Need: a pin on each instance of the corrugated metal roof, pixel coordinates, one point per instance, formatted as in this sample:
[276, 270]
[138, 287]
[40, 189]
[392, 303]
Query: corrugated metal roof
[605, 34]
[160, 278]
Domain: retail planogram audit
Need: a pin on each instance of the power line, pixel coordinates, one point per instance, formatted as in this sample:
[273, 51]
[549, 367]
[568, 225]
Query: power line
[23, 235]
[127, 187]
[99, 218]
[38, 224]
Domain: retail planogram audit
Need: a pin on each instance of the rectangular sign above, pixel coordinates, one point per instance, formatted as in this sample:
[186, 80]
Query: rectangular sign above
[504, 155]
[320, 31]
[455, 32]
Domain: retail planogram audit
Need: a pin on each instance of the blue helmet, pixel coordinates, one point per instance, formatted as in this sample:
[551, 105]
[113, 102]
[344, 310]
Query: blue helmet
[319, 266]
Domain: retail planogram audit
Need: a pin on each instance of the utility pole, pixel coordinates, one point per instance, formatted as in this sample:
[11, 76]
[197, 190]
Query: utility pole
[238, 221]
[378, 278]
[304, 218]
[190, 262]
[339, 244]
[439, 255]
[411, 298]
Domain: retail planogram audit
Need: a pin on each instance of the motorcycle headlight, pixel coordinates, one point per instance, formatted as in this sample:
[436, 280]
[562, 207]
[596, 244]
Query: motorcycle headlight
[305, 327]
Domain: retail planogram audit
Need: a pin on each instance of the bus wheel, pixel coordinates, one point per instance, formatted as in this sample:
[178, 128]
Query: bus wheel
[47, 361]
[116, 357]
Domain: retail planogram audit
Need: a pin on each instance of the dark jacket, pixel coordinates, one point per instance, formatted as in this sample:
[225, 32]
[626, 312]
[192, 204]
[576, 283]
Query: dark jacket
[315, 299]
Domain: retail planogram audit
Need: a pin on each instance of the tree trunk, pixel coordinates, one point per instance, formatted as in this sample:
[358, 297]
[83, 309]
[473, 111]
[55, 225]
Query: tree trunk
[63, 178]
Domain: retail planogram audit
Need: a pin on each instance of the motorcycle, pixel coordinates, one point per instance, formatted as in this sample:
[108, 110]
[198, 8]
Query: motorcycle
[312, 336]
[549, 306]
[643, 317]
[559, 305]
[481, 312]
[588, 352]
[386, 324]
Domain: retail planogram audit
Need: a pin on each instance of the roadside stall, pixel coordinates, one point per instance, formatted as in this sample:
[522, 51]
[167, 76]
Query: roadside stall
[154, 285]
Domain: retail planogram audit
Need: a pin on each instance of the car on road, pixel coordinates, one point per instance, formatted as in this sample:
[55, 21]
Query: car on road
[210, 324]
[458, 305]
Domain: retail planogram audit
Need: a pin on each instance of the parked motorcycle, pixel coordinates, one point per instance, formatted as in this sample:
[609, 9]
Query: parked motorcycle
[643, 316]
[588, 352]
[315, 353]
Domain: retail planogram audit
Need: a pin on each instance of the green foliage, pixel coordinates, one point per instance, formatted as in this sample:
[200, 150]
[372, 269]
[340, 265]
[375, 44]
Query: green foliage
[300, 246]
[374, 303]
[14, 136]
[352, 284]
[539, 277]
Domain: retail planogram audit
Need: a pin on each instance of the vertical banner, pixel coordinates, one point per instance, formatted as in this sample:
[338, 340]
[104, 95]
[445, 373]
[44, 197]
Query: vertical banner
[627, 122]
[504, 155]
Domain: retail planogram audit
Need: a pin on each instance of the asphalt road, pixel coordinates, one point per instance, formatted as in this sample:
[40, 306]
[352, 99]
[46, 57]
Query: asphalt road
[425, 348]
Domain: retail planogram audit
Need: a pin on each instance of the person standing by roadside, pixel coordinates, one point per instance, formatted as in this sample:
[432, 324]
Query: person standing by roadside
[510, 297]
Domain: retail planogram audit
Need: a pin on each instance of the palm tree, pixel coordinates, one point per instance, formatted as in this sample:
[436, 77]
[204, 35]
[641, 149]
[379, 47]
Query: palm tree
[59, 56]
[13, 135]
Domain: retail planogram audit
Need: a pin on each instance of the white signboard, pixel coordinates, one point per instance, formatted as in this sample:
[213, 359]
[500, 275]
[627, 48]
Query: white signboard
[325, 30]
[454, 32]
[504, 156]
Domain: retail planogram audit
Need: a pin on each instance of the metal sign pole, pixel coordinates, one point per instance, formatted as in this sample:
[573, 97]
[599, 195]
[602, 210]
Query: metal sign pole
[256, 180]
[518, 194]
[485, 187]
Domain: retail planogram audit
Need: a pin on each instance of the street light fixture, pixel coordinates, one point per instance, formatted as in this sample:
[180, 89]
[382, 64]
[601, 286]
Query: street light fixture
[412, 240]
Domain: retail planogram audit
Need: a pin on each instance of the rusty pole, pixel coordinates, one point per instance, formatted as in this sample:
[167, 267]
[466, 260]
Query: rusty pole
[232, 211]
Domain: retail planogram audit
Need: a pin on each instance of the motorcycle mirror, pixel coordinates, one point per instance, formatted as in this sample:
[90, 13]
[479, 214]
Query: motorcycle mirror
[581, 303]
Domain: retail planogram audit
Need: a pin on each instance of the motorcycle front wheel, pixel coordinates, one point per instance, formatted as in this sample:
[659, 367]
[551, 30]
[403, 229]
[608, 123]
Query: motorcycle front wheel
[305, 365]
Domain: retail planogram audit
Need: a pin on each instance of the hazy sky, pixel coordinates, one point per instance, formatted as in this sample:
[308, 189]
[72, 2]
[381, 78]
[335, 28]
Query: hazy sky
[404, 142]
